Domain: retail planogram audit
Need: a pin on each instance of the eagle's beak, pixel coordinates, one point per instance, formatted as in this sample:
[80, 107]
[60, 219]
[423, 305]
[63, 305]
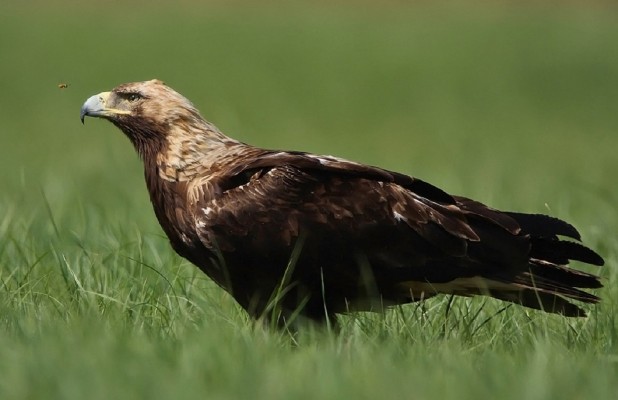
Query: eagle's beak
[96, 106]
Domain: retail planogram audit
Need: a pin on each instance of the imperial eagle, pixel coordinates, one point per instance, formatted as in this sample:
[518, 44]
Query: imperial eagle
[320, 235]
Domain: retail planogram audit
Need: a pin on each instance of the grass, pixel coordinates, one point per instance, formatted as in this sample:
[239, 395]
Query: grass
[511, 106]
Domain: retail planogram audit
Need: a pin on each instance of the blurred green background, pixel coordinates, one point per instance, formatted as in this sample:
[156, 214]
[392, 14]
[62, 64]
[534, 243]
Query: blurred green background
[511, 103]
[462, 95]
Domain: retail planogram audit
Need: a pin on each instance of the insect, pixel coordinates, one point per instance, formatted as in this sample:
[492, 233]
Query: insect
[63, 85]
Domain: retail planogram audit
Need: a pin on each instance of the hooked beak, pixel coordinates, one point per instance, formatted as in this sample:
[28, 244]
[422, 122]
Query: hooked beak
[97, 106]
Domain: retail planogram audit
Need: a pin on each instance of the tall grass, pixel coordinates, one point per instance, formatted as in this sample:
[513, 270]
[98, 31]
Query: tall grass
[512, 106]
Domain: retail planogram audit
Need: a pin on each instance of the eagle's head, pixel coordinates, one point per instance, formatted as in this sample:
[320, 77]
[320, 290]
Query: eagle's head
[150, 113]
[130, 104]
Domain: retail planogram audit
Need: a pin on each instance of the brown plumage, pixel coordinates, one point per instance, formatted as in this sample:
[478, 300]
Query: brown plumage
[323, 235]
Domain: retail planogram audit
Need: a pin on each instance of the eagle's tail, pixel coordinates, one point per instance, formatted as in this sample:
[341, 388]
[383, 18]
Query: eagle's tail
[549, 283]
[545, 282]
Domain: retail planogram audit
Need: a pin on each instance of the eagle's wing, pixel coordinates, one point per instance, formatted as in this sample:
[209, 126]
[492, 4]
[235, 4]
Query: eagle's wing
[412, 232]
[309, 189]
[265, 159]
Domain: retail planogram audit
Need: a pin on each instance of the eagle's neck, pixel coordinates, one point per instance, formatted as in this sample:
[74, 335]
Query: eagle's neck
[190, 150]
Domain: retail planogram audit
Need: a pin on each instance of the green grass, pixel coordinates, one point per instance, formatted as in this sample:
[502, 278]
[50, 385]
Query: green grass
[512, 106]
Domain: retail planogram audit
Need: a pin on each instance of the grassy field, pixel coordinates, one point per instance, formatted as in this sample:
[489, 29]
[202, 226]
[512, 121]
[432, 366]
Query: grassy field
[514, 106]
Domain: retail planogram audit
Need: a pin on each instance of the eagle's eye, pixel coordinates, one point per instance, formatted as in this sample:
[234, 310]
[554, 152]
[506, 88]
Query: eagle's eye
[133, 97]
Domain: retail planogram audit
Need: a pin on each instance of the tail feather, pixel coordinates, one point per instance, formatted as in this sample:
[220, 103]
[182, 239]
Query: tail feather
[524, 289]
[560, 273]
[534, 282]
[540, 225]
[560, 251]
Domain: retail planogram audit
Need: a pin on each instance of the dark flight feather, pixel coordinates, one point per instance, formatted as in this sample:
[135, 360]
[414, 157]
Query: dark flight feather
[361, 237]
[544, 225]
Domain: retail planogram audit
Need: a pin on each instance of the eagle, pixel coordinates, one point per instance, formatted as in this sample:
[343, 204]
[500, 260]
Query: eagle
[290, 233]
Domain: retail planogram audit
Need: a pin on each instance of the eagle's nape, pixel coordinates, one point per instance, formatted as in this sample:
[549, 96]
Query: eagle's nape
[369, 236]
